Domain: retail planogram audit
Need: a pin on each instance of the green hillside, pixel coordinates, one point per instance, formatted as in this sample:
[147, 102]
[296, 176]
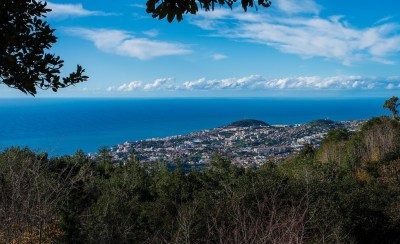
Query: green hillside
[248, 123]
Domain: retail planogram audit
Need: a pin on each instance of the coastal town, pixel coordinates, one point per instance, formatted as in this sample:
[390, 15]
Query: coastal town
[248, 143]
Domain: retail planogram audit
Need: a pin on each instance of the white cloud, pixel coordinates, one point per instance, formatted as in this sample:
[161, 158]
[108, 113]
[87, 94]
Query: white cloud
[111, 88]
[124, 44]
[151, 33]
[295, 6]
[390, 86]
[385, 19]
[229, 83]
[67, 10]
[137, 5]
[163, 83]
[218, 56]
[331, 38]
[132, 86]
[137, 85]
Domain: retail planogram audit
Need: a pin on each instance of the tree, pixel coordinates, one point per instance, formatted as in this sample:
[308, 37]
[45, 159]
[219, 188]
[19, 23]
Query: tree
[177, 8]
[30, 196]
[25, 63]
[392, 104]
[104, 160]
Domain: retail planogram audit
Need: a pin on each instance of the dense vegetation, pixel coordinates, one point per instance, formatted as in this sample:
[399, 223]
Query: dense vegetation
[323, 122]
[348, 191]
[248, 123]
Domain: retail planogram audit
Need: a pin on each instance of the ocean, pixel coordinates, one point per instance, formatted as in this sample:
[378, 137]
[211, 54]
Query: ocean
[61, 126]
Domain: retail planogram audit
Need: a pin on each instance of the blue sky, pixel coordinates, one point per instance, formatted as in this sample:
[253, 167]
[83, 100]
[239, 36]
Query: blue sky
[322, 48]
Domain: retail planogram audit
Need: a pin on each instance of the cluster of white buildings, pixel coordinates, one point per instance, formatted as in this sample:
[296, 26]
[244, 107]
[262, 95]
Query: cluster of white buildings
[245, 146]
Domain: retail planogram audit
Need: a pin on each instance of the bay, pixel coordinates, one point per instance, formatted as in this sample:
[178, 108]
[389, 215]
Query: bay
[61, 126]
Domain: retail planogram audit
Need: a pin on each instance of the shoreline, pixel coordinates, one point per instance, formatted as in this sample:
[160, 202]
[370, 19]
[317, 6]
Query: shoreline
[247, 145]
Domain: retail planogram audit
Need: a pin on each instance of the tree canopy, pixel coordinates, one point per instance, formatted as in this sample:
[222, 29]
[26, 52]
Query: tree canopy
[177, 8]
[392, 104]
[25, 63]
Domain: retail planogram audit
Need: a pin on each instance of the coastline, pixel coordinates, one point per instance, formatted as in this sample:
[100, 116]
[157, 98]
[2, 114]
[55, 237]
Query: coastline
[61, 126]
[247, 146]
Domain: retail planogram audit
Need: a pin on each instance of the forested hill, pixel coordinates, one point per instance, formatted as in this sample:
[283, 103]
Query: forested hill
[327, 123]
[248, 123]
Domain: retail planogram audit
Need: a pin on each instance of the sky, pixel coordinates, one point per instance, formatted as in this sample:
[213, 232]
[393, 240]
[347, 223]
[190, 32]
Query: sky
[321, 48]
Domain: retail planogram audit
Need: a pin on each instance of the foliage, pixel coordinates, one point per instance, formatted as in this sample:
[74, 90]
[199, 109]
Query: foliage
[177, 8]
[350, 198]
[392, 104]
[322, 122]
[248, 123]
[25, 63]
[381, 139]
[338, 135]
[30, 196]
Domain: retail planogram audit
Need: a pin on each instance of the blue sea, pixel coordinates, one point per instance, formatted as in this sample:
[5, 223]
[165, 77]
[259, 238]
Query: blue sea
[61, 126]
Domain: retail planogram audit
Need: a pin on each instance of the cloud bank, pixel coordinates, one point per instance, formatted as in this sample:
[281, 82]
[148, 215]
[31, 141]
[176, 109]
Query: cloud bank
[137, 85]
[259, 83]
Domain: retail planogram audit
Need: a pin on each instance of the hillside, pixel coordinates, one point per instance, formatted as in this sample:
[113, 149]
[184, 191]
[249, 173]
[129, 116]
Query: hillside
[324, 123]
[248, 123]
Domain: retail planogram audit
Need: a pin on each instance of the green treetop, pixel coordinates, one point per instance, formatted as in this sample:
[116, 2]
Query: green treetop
[392, 104]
